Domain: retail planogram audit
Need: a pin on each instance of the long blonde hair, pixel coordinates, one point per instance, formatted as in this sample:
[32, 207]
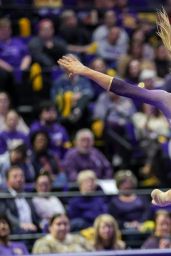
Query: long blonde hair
[116, 242]
[164, 28]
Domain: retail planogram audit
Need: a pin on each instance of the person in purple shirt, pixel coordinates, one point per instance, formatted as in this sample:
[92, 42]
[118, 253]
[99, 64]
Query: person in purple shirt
[159, 98]
[10, 136]
[129, 209]
[14, 57]
[85, 156]
[59, 138]
[83, 210]
[8, 248]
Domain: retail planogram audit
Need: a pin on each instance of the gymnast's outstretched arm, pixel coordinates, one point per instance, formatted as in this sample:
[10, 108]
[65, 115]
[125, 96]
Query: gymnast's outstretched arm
[158, 98]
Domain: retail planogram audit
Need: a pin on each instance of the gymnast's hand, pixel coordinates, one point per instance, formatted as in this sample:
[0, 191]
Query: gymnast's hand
[159, 198]
[71, 65]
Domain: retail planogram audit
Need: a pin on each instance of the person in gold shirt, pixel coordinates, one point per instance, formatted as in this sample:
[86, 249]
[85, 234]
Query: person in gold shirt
[60, 239]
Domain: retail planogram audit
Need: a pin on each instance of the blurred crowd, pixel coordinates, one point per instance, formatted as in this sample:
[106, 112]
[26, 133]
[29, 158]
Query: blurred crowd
[61, 134]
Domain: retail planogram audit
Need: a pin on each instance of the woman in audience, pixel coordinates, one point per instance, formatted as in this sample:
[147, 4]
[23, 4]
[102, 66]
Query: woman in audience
[107, 235]
[162, 230]
[129, 209]
[8, 248]
[83, 210]
[60, 239]
[43, 158]
[4, 108]
[46, 205]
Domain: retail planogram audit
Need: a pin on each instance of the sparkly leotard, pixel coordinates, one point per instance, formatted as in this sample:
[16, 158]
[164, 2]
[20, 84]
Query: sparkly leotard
[158, 98]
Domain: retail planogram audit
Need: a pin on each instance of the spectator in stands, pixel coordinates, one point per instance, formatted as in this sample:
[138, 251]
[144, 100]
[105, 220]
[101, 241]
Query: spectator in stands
[100, 65]
[19, 210]
[46, 205]
[112, 47]
[101, 32]
[42, 157]
[46, 48]
[14, 56]
[136, 51]
[7, 247]
[162, 61]
[48, 121]
[11, 135]
[115, 112]
[162, 230]
[165, 242]
[17, 155]
[107, 234]
[71, 31]
[5, 106]
[72, 97]
[85, 156]
[129, 209]
[59, 239]
[81, 210]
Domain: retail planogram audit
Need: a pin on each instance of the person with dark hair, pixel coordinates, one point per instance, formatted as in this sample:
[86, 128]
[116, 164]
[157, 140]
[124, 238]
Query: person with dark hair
[19, 209]
[17, 155]
[159, 98]
[8, 248]
[42, 158]
[45, 48]
[48, 122]
[46, 205]
[60, 239]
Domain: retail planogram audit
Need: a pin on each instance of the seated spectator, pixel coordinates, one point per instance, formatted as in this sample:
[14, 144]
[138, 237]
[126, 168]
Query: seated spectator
[19, 210]
[59, 239]
[81, 210]
[109, 20]
[13, 56]
[98, 64]
[72, 97]
[136, 51]
[165, 242]
[11, 135]
[17, 155]
[42, 157]
[48, 121]
[107, 234]
[162, 230]
[46, 205]
[46, 48]
[70, 29]
[5, 106]
[7, 247]
[115, 112]
[162, 61]
[129, 209]
[85, 156]
[113, 46]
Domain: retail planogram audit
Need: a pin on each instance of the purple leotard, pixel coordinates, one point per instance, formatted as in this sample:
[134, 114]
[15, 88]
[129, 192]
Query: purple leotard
[158, 98]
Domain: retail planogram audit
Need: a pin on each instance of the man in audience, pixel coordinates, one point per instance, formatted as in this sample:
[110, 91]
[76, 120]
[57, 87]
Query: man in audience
[85, 156]
[45, 48]
[59, 239]
[19, 210]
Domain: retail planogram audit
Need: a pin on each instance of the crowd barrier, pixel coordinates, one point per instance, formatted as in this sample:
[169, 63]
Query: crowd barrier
[154, 252]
